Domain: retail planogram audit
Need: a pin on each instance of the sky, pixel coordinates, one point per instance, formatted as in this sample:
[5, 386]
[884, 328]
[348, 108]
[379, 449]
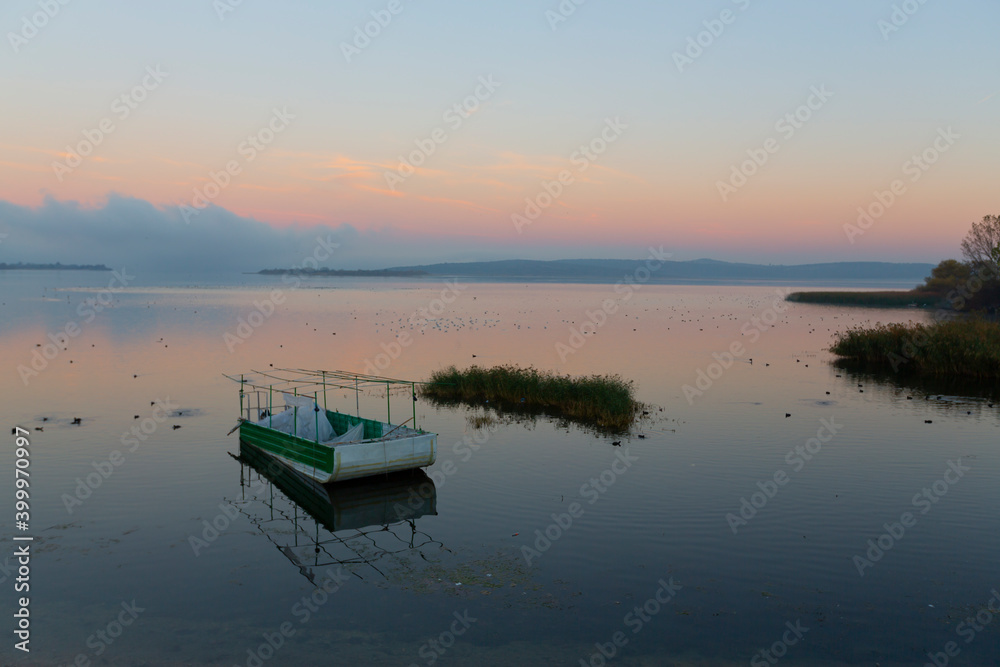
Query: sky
[416, 131]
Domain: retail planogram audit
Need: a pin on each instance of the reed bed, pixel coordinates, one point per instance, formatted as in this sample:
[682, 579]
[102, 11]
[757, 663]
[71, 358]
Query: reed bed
[602, 401]
[870, 299]
[965, 347]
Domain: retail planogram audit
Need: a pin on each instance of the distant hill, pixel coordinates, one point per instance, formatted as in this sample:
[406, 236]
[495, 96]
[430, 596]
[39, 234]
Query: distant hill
[346, 273]
[21, 266]
[614, 270]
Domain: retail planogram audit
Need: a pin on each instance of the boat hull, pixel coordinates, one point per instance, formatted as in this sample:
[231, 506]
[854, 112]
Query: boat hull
[326, 463]
[356, 505]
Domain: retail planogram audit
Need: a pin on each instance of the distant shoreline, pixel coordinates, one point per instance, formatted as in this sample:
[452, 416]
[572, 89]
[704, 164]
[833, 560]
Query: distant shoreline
[53, 267]
[637, 271]
[342, 273]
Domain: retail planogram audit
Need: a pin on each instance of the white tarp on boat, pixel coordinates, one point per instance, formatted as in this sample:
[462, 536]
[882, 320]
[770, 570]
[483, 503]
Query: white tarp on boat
[353, 434]
[300, 418]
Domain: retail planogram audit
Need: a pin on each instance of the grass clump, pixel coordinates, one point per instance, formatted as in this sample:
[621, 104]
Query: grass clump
[605, 402]
[485, 420]
[966, 347]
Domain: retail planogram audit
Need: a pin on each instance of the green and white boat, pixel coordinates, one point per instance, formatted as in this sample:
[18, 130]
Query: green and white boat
[284, 413]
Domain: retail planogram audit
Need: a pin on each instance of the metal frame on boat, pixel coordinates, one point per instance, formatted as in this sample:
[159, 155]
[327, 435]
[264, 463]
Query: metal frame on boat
[359, 447]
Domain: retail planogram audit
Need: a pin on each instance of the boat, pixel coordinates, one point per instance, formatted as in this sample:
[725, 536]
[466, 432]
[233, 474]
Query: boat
[280, 415]
[352, 505]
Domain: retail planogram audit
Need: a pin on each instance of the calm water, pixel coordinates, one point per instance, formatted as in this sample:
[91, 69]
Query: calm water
[453, 568]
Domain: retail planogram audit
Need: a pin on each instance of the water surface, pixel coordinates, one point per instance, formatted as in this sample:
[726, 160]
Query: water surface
[469, 549]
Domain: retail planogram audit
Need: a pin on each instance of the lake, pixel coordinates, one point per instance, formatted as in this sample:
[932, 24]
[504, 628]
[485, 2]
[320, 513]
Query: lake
[772, 506]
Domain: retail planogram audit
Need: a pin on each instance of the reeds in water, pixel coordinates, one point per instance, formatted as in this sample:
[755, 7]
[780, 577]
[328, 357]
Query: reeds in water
[967, 347]
[602, 401]
[866, 299]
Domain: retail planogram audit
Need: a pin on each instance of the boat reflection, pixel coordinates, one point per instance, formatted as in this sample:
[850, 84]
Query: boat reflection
[356, 523]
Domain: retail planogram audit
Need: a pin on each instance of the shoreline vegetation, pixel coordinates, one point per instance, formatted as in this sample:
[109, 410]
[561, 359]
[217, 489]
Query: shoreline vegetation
[603, 402]
[964, 347]
[344, 273]
[884, 299]
[952, 285]
[959, 342]
[21, 266]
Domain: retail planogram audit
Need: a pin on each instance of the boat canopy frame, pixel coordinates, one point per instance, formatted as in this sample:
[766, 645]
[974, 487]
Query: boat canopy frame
[313, 383]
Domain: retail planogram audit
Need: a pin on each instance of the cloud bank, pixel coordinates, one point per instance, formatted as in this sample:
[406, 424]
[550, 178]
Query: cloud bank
[135, 233]
[131, 232]
[126, 231]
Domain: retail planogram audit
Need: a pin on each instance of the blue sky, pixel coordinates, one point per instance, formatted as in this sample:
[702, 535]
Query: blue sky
[660, 184]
